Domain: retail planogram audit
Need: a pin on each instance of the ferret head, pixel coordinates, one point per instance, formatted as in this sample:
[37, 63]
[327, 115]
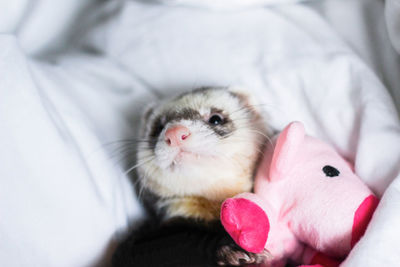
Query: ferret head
[202, 143]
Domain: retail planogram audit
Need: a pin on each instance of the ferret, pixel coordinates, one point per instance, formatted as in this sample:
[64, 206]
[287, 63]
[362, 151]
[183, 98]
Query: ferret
[196, 150]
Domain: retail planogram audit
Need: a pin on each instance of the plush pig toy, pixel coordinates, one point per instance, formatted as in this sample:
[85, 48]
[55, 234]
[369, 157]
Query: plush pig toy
[307, 205]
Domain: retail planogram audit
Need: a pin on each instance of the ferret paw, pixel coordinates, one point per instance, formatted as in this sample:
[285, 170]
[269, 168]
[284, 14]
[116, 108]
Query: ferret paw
[228, 255]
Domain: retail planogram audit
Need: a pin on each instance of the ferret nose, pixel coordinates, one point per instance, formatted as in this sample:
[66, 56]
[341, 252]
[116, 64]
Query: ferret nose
[175, 135]
[362, 217]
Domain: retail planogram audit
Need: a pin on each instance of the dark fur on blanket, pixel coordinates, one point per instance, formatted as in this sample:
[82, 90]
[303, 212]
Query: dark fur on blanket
[177, 243]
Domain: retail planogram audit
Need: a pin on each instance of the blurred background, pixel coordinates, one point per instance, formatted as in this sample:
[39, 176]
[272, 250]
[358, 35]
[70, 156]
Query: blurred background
[370, 27]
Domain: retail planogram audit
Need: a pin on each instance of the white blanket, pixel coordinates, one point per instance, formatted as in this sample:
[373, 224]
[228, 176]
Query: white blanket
[64, 195]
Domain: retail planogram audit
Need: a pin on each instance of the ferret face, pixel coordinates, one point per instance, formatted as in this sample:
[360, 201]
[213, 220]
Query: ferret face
[202, 143]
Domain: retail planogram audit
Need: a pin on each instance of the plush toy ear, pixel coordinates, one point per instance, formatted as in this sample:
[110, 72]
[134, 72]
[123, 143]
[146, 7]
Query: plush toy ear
[286, 148]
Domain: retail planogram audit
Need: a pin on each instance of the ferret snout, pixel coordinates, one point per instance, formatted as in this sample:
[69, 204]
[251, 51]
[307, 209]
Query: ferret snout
[176, 135]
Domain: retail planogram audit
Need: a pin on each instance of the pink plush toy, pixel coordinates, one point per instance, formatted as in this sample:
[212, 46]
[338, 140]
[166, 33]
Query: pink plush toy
[308, 204]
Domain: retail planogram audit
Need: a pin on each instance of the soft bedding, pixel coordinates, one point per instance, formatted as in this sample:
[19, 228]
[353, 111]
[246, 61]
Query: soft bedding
[65, 198]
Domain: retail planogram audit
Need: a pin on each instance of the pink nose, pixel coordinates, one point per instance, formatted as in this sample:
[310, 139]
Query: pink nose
[175, 135]
[362, 217]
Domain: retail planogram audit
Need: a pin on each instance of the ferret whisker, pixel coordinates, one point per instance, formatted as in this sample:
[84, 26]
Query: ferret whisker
[244, 118]
[142, 160]
[123, 153]
[255, 131]
[263, 105]
[263, 134]
[123, 148]
[246, 108]
[126, 156]
[123, 159]
[247, 142]
[141, 183]
[125, 141]
[136, 182]
[139, 180]
[139, 164]
[144, 181]
[230, 160]
[113, 148]
[243, 140]
[117, 158]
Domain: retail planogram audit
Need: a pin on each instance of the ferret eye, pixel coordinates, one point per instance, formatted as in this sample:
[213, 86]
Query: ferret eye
[330, 171]
[216, 119]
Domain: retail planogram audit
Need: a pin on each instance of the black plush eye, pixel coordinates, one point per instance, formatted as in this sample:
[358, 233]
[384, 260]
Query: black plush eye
[330, 171]
[216, 119]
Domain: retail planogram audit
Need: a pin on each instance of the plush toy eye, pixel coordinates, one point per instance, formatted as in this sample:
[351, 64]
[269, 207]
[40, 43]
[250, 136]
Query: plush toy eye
[330, 171]
[216, 119]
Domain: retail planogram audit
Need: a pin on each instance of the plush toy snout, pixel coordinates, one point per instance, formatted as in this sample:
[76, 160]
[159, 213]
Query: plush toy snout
[246, 222]
[362, 217]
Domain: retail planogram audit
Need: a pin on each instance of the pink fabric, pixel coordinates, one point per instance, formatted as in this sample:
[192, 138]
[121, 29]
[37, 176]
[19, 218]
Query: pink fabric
[248, 224]
[320, 259]
[309, 195]
[362, 217]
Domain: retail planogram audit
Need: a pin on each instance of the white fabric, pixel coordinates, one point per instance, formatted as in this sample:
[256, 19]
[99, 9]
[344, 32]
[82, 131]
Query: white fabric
[392, 11]
[62, 194]
[44, 26]
[226, 4]
[362, 24]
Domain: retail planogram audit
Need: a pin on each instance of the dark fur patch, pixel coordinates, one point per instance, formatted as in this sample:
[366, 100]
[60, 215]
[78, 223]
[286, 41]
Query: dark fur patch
[184, 114]
[155, 130]
[179, 242]
[175, 243]
[171, 116]
[222, 130]
[147, 113]
[225, 128]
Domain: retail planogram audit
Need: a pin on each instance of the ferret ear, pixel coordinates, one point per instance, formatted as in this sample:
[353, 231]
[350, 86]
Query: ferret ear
[286, 149]
[245, 96]
[148, 110]
[249, 99]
